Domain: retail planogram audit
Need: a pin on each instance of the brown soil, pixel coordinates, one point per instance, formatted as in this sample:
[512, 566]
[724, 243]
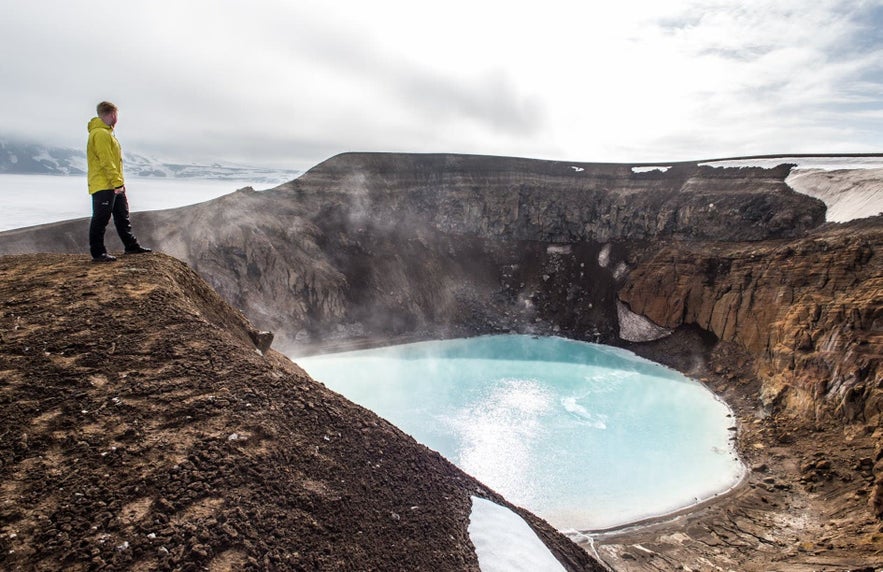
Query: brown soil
[143, 430]
[803, 506]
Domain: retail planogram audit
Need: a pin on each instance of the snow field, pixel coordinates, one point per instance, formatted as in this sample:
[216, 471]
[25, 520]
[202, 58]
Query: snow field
[504, 542]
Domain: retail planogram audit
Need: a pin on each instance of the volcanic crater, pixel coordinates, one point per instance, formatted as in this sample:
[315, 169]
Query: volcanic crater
[726, 274]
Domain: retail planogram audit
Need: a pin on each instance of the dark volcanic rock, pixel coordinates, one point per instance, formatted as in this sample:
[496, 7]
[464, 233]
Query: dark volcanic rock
[550, 201]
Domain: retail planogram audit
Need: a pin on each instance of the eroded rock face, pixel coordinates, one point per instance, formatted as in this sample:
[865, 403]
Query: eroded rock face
[876, 500]
[809, 310]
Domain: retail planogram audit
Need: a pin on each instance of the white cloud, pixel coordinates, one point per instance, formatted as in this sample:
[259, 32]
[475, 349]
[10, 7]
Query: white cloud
[281, 82]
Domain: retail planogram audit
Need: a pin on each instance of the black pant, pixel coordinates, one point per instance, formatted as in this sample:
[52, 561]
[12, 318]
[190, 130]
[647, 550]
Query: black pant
[104, 205]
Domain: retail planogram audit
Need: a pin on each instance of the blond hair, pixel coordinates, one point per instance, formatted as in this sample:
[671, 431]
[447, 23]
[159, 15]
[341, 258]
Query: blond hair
[106, 108]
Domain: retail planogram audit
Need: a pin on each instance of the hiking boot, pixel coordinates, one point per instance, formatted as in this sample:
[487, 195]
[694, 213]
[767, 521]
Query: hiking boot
[138, 250]
[104, 258]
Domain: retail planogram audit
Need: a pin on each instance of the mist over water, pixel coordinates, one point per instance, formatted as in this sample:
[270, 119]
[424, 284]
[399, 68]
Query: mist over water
[586, 436]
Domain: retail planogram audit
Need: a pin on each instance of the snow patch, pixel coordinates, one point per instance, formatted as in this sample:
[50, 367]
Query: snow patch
[504, 542]
[851, 187]
[558, 249]
[848, 194]
[604, 256]
[637, 328]
[829, 163]
[650, 169]
[43, 155]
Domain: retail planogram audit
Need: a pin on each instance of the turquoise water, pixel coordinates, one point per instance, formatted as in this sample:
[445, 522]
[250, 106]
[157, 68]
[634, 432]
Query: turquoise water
[584, 435]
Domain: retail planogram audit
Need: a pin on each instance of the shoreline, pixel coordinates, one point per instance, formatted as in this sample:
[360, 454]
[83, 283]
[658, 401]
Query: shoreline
[331, 348]
[672, 518]
[662, 519]
[801, 505]
[673, 515]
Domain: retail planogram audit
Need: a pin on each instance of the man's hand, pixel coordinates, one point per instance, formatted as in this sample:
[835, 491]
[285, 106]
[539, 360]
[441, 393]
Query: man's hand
[120, 190]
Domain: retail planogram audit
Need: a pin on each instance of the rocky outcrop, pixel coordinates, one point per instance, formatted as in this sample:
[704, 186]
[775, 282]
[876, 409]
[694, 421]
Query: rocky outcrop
[810, 311]
[876, 499]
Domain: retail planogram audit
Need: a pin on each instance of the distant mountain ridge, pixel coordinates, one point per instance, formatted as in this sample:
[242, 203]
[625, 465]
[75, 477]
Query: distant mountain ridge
[28, 158]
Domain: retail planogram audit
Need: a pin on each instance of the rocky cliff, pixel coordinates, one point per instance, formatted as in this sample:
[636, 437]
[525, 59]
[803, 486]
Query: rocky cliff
[143, 430]
[809, 310]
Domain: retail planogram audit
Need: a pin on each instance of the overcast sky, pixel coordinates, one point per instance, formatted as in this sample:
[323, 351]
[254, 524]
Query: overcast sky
[290, 83]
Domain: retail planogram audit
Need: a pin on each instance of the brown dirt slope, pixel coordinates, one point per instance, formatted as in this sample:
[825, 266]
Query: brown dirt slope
[143, 430]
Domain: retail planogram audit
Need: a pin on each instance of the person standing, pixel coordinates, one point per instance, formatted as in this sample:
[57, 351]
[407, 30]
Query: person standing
[104, 159]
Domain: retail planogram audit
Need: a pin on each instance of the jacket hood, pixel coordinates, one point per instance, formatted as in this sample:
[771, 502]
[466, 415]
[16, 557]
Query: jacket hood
[97, 123]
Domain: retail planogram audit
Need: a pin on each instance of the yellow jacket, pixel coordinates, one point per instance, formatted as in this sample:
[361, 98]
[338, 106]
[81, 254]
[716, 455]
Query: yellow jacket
[104, 157]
